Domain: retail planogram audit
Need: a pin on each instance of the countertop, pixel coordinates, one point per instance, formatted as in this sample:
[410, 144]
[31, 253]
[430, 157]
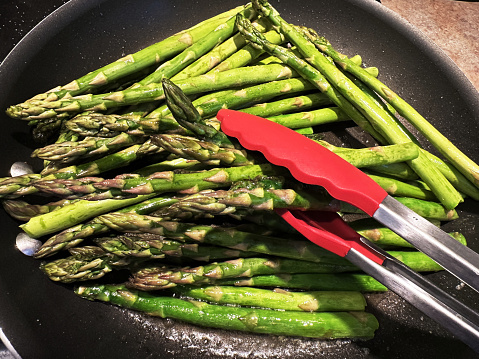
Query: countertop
[452, 25]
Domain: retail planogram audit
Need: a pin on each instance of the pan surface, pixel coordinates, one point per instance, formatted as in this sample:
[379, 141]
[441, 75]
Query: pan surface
[42, 319]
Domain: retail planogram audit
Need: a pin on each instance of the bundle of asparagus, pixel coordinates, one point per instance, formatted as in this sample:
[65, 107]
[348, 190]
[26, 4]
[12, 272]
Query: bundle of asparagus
[185, 214]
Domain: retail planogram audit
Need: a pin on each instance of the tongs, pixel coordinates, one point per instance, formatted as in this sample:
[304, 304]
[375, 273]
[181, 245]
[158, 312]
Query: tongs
[311, 163]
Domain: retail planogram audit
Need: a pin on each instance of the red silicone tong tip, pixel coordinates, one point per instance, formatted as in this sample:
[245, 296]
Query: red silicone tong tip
[328, 230]
[307, 160]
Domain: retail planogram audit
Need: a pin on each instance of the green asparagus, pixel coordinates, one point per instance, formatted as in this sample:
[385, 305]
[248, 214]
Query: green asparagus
[96, 188]
[65, 108]
[192, 148]
[152, 248]
[109, 125]
[12, 187]
[317, 301]
[325, 325]
[319, 281]
[462, 162]
[70, 151]
[286, 105]
[91, 263]
[156, 278]
[309, 73]
[232, 201]
[141, 188]
[215, 37]
[74, 235]
[373, 113]
[226, 237]
[131, 63]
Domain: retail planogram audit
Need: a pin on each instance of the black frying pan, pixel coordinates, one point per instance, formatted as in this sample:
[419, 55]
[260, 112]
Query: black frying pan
[42, 319]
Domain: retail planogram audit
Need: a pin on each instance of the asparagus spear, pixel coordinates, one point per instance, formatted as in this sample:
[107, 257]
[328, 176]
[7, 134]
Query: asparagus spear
[109, 125]
[75, 213]
[70, 151]
[17, 184]
[373, 113]
[247, 95]
[158, 277]
[188, 116]
[88, 264]
[70, 238]
[375, 156]
[316, 324]
[109, 162]
[317, 117]
[328, 281]
[92, 262]
[64, 108]
[402, 189]
[212, 58]
[232, 238]
[317, 301]
[232, 201]
[64, 136]
[192, 148]
[137, 61]
[175, 164]
[283, 106]
[462, 162]
[154, 247]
